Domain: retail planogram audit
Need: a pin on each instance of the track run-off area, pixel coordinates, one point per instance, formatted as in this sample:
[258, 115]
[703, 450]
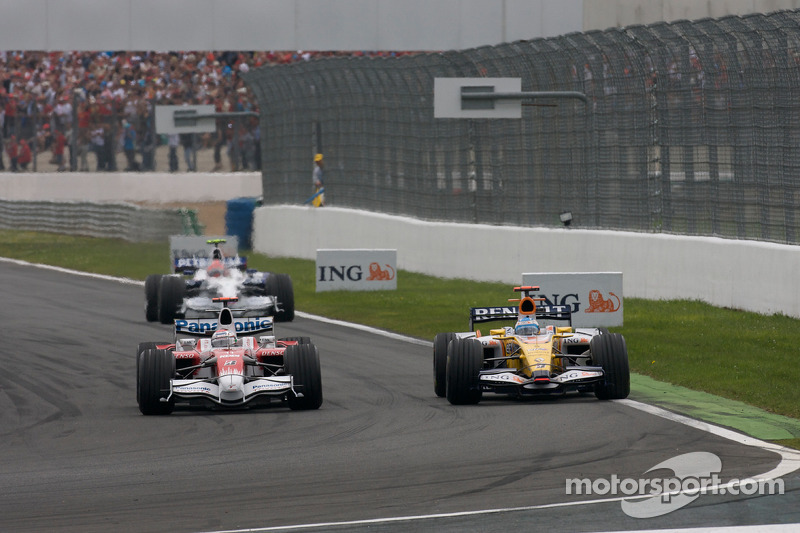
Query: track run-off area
[383, 453]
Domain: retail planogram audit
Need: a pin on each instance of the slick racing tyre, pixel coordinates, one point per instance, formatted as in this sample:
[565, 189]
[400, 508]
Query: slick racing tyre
[151, 286]
[139, 351]
[440, 342]
[280, 286]
[610, 352]
[464, 361]
[301, 361]
[170, 298]
[156, 369]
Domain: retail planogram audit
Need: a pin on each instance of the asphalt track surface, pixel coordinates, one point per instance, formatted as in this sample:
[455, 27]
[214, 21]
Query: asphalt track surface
[383, 453]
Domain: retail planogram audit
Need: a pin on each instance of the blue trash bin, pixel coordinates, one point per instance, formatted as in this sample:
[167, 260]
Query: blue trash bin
[239, 220]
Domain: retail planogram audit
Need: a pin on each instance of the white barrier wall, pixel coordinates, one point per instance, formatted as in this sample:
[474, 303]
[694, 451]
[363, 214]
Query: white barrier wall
[155, 187]
[748, 275]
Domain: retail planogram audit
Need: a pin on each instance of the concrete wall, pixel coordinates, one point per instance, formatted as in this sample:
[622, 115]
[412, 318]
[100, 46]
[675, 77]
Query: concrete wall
[330, 24]
[748, 275]
[153, 187]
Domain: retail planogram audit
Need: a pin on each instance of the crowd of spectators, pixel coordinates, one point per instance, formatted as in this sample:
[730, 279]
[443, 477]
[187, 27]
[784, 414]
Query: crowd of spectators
[71, 105]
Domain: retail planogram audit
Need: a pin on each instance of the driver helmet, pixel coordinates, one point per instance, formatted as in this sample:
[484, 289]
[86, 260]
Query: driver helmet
[223, 339]
[216, 268]
[527, 326]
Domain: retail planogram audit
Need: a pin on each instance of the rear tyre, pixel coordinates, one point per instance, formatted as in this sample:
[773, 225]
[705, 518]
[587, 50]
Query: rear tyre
[156, 369]
[301, 361]
[151, 286]
[170, 298]
[440, 342]
[610, 352]
[464, 361]
[280, 286]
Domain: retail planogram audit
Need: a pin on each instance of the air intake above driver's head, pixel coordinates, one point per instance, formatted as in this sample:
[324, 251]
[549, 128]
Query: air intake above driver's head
[527, 306]
[225, 317]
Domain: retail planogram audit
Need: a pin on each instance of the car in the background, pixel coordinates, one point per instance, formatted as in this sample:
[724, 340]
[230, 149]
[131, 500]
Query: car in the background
[535, 357]
[227, 362]
[190, 291]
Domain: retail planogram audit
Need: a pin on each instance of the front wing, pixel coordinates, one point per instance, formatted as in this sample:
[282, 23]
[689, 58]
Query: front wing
[203, 305]
[506, 381]
[192, 389]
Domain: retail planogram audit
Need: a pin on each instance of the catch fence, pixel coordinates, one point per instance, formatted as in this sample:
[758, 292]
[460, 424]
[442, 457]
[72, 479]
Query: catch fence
[690, 127]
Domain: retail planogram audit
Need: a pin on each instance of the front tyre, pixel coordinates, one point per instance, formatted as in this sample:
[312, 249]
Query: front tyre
[610, 352]
[143, 346]
[301, 361]
[156, 369]
[464, 361]
[440, 342]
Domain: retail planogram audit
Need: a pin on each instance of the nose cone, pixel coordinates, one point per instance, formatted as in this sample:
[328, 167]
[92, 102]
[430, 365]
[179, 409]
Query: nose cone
[231, 388]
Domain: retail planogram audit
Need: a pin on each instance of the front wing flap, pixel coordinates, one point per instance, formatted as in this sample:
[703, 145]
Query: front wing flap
[573, 376]
[261, 386]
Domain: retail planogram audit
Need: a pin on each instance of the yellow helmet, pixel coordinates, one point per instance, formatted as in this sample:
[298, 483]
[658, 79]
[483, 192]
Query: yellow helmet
[318, 158]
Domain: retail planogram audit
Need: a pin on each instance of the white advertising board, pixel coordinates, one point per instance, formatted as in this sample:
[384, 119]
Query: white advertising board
[595, 298]
[356, 270]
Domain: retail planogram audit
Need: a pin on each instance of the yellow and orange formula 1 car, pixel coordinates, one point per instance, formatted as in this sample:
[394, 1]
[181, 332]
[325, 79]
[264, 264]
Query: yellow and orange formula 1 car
[535, 357]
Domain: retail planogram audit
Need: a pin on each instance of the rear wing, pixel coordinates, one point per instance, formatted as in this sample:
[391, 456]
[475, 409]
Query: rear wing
[205, 327]
[493, 314]
[185, 265]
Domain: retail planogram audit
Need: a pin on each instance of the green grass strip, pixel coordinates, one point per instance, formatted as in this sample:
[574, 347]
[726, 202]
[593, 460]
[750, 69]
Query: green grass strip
[715, 409]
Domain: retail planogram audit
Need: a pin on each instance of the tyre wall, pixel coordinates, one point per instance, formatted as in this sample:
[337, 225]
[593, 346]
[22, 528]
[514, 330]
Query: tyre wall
[749, 275]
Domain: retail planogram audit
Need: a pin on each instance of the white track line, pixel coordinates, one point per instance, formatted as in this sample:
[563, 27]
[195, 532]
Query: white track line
[126, 281]
[790, 459]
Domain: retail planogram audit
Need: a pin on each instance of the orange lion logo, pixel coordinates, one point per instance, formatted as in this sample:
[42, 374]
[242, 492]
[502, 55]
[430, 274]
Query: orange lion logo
[376, 273]
[598, 304]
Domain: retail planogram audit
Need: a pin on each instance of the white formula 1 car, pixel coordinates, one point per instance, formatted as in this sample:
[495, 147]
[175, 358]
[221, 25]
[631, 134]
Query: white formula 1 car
[191, 291]
[227, 362]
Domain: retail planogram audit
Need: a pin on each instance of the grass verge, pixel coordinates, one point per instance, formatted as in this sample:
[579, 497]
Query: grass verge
[734, 354]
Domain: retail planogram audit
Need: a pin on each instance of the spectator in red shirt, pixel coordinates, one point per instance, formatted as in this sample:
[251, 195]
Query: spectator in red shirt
[12, 149]
[24, 157]
[58, 150]
[11, 115]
